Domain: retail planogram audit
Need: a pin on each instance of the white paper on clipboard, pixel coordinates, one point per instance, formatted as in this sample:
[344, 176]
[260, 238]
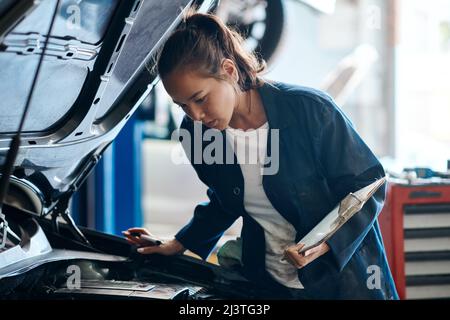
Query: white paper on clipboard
[334, 220]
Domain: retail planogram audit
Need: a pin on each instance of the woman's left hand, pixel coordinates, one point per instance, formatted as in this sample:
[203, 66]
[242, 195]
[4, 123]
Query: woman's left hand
[299, 260]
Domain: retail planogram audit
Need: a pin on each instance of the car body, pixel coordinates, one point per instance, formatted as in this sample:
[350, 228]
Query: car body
[92, 79]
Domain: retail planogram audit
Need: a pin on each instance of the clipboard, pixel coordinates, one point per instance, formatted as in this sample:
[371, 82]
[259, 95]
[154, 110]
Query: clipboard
[343, 211]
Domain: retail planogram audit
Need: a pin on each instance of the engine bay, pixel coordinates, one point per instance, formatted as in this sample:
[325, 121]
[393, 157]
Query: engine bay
[50, 264]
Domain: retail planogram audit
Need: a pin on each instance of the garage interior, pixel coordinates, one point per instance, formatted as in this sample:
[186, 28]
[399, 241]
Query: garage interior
[386, 63]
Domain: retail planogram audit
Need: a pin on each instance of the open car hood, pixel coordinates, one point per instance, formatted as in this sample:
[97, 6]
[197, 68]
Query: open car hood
[92, 79]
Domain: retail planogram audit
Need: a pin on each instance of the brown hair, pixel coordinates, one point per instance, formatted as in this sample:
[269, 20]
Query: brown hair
[202, 42]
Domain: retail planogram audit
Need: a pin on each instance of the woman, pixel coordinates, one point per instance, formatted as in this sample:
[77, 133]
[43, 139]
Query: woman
[316, 159]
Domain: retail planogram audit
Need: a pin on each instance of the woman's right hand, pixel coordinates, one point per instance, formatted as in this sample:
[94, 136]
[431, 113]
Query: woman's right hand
[167, 248]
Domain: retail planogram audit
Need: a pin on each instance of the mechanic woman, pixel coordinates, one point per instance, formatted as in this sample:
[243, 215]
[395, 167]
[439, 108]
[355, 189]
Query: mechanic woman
[317, 158]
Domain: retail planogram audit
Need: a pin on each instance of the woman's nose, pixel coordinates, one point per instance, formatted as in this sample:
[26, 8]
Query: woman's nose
[198, 115]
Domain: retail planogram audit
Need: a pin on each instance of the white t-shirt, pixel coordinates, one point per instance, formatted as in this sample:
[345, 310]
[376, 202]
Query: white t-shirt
[250, 148]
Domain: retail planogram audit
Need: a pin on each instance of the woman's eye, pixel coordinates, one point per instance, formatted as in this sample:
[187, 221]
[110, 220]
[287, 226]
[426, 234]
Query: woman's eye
[200, 100]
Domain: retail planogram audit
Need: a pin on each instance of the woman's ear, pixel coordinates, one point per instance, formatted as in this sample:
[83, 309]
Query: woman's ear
[229, 68]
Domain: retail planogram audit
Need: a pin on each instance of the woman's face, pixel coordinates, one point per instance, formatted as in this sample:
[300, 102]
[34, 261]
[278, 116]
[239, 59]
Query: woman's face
[204, 99]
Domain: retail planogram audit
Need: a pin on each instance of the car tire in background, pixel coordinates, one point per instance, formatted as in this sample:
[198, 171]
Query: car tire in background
[260, 22]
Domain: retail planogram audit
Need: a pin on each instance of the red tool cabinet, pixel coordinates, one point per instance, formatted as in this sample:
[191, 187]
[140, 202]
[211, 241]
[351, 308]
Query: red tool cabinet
[415, 223]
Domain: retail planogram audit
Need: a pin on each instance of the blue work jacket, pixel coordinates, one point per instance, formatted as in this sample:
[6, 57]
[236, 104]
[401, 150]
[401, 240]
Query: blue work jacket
[321, 159]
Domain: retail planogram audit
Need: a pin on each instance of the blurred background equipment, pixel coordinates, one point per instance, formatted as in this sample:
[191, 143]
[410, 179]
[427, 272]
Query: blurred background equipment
[262, 22]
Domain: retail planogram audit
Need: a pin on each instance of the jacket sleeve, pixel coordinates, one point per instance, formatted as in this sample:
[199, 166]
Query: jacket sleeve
[348, 165]
[209, 220]
[206, 227]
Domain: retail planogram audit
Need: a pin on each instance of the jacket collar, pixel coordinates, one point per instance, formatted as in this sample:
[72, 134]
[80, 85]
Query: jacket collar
[278, 112]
